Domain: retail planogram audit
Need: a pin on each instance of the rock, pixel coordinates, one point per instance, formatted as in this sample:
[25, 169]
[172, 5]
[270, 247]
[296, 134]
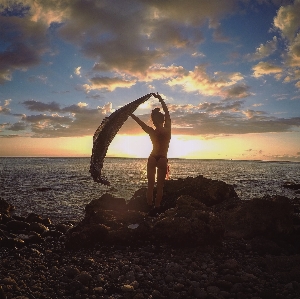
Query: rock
[34, 239]
[72, 271]
[11, 242]
[84, 278]
[106, 202]
[15, 225]
[5, 207]
[138, 202]
[291, 185]
[267, 216]
[189, 224]
[169, 278]
[33, 217]
[63, 228]
[86, 236]
[127, 288]
[207, 191]
[38, 227]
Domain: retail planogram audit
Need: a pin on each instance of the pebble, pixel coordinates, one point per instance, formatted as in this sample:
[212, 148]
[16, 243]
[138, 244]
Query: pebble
[38, 266]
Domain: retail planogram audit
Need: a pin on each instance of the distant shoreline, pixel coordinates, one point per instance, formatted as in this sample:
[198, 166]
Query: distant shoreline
[198, 159]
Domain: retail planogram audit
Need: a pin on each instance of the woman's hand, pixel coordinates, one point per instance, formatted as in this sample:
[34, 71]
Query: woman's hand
[157, 95]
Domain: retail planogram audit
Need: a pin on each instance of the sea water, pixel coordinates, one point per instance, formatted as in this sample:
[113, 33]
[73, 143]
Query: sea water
[59, 188]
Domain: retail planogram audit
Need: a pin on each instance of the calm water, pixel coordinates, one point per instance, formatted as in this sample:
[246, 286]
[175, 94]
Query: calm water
[60, 188]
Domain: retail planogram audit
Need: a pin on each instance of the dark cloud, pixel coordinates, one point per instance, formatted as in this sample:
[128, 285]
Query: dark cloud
[19, 126]
[33, 105]
[24, 41]
[205, 119]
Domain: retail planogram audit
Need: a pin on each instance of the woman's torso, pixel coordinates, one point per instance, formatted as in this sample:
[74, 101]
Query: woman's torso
[160, 138]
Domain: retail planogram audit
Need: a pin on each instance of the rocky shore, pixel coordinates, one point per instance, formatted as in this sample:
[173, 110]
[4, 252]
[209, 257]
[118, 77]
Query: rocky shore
[206, 243]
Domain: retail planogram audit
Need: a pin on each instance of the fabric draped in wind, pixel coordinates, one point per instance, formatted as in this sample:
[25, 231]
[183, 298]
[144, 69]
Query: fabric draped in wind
[104, 135]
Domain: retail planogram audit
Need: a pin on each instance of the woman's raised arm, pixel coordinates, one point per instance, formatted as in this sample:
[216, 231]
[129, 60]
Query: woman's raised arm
[165, 108]
[145, 127]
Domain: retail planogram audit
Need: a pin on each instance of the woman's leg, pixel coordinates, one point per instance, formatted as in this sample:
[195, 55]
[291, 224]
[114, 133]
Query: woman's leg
[162, 165]
[151, 170]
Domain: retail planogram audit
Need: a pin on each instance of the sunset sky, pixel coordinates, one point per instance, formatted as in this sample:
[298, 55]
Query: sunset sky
[229, 71]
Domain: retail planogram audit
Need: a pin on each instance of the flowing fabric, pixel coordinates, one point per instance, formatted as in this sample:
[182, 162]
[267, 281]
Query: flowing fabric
[104, 135]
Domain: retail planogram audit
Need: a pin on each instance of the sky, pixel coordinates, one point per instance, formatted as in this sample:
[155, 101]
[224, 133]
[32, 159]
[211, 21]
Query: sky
[229, 72]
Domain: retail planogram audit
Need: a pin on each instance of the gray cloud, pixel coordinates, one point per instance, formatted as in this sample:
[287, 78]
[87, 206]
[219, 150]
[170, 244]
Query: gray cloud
[24, 43]
[205, 119]
[19, 126]
[33, 105]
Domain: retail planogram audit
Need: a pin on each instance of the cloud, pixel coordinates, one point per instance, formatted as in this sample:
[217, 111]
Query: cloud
[266, 68]
[205, 119]
[25, 42]
[77, 71]
[33, 105]
[264, 50]
[40, 78]
[132, 38]
[4, 108]
[19, 126]
[254, 114]
[57, 121]
[287, 20]
[293, 55]
[108, 83]
[220, 84]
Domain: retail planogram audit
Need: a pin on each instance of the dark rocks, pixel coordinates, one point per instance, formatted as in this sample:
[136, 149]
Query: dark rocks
[16, 225]
[210, 192]
[189, 223]
[131, 255]
[86, 236]
[292, 186]
[5, 207]
[267, 216]
[38, 227]
[106, 202]
[18, 231]
[138, 202]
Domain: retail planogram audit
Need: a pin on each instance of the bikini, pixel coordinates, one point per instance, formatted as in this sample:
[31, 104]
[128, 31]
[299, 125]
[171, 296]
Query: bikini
[157, 157]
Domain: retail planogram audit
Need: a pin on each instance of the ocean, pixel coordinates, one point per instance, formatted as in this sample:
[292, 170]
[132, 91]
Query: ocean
[59, 188]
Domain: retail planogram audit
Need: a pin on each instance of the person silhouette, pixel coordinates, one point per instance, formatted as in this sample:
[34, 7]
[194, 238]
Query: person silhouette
[157, 162]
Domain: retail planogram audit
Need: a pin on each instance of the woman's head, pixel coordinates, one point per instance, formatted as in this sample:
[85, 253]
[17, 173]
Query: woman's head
[157, 117]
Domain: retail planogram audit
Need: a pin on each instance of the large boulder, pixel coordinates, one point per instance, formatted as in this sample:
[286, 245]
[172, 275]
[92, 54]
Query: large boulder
[190, 223]
[5, 207]
[267, 216]
[138, 202]
[207, 191]
[106, 202]
[86, 236]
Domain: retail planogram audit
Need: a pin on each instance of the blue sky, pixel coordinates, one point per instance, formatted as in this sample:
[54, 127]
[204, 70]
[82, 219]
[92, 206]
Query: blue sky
[229, 71]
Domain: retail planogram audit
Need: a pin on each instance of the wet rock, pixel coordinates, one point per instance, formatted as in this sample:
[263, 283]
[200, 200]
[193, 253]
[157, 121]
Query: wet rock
[38, 227]
[63, 228]
[127, 288]
[84, 278]
[33, 217]
[189, 223]
[86, 236]
[138, 202]
[5, 207]
[207, 191]
[267, 216]
[72, 271]
[106, 202]
[291, 185]
[16, 225]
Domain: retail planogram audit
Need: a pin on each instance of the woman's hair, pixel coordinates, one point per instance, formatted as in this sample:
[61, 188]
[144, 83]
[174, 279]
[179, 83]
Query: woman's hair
[157, 117]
